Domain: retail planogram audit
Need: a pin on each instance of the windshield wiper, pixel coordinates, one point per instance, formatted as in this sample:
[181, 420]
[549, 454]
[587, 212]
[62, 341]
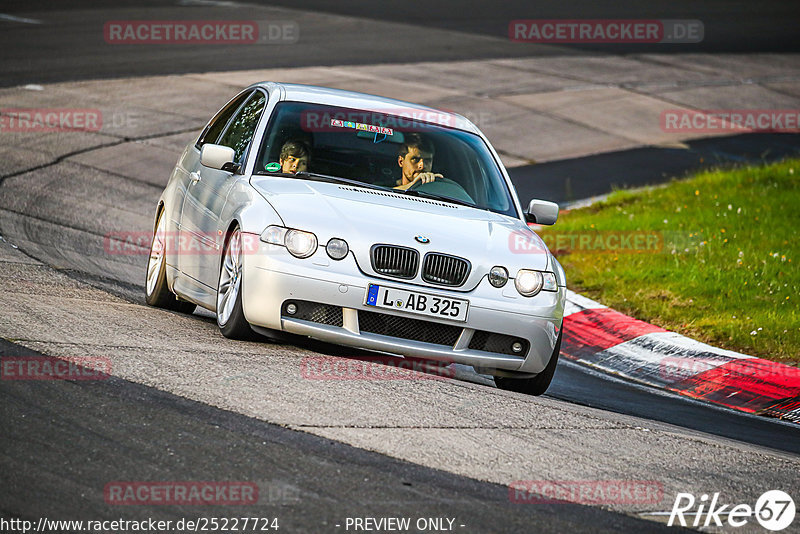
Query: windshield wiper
[335, 179]
[339, 179]
[434, 196]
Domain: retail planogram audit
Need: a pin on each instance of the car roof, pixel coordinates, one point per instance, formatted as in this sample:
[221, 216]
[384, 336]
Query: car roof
[379, 104]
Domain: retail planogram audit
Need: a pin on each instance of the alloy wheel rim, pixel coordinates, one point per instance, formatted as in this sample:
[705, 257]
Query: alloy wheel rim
[156, 259]
[230, 279]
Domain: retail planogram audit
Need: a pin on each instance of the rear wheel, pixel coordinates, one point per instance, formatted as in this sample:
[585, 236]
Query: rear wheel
[539, 383]
[230, 314]
[156, 291]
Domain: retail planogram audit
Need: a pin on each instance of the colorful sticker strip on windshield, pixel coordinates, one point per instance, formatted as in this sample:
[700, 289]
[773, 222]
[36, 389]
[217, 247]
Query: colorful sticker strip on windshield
[361, 126]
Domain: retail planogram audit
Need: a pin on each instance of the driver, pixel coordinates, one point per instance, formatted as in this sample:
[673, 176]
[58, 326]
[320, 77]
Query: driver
[415, 158]
[294, 156]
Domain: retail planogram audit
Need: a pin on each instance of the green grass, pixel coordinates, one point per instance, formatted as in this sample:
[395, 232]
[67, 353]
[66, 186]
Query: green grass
[723, 262]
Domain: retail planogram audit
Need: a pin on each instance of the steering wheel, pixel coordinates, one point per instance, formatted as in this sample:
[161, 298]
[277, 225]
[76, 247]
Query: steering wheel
[445, 187]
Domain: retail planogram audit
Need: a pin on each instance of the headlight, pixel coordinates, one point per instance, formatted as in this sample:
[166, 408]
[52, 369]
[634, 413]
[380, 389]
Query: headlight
[498, 276]
[337, 248]
[274, 235]
[528, 283]
[301, 244]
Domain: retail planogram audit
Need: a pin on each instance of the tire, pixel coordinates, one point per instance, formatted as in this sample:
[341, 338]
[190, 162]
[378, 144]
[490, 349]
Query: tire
[539, 383]
[156, 292]
[230, 314]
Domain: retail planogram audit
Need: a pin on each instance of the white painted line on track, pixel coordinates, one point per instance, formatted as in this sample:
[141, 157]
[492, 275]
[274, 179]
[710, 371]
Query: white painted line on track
[577, 303]
[210, 3]
[12, 18]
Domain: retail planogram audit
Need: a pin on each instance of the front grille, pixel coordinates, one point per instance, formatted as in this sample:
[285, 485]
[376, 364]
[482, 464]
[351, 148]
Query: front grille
[405, 328]
[314, 312]
[391, 260]
[444, 270]
[498, 343]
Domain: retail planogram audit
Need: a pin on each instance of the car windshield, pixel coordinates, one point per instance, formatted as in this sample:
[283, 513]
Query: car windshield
[370, 148]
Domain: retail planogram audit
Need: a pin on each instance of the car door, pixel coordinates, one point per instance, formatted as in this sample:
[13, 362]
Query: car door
[208, 191]
[188, 236]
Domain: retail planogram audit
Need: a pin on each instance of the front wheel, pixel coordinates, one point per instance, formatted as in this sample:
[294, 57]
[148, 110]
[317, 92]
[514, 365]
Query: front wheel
[539, 383]
[156, 291]
[230, 314]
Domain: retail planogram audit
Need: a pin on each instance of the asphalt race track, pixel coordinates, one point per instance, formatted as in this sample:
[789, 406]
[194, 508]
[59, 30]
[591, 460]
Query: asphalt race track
[185, 404]
[301, 477]
[353, 32]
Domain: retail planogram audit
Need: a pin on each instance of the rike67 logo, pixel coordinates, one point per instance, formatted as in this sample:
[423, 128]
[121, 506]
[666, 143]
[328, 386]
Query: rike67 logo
[774, 510]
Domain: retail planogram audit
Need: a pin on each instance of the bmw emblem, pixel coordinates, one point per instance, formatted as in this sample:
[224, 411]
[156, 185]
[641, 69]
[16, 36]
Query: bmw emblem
[422, 239]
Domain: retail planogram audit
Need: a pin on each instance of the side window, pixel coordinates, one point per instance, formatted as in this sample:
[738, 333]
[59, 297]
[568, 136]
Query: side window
[217, 124]
[242, 127]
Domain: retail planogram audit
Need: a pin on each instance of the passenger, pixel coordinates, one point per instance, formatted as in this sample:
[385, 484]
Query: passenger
[415, 158]
[294, 157]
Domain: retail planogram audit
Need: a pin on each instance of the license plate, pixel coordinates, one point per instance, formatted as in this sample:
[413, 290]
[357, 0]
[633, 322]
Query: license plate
[414, 302]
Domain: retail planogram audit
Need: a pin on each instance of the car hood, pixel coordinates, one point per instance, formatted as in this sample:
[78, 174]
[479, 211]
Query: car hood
[364, 217]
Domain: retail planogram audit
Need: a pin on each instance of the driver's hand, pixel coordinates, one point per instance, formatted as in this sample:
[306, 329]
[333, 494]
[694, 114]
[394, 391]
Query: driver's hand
[421, 178]
[425, 177]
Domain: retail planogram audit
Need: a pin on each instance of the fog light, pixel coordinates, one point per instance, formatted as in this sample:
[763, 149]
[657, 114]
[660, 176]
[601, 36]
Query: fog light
[337, 248]
[498, 276]
[516, 347]
[291, 308]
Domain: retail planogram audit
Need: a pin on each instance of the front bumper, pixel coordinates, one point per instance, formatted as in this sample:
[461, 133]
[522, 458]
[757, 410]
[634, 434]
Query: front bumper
[272, 276]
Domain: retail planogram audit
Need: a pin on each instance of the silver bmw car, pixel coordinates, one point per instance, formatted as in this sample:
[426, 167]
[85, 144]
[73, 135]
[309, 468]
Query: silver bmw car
[361, 221]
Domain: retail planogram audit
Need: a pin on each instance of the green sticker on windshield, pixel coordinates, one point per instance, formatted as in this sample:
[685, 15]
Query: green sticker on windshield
[273, 167]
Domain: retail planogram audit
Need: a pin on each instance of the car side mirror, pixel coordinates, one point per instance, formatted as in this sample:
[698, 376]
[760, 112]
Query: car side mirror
[218, 157]
[542, 212]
